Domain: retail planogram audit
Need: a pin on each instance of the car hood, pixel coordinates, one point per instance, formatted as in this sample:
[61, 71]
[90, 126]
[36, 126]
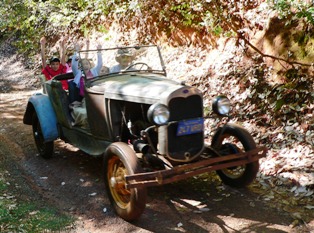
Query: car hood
[140, 88]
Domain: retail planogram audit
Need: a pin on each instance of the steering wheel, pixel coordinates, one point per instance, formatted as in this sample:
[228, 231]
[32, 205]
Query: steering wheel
[141, 64]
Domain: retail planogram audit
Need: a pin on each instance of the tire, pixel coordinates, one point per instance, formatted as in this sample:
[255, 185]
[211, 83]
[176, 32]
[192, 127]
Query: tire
[45, 149]
[235, 139]
[120, 160]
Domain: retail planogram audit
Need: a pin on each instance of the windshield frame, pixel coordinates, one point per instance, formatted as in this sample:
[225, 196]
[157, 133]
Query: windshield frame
[161, 71]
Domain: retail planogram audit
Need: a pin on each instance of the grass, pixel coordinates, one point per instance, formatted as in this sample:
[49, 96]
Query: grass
[22, 210]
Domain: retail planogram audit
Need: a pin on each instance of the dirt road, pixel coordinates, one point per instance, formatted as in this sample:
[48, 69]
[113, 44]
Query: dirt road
[72, 181]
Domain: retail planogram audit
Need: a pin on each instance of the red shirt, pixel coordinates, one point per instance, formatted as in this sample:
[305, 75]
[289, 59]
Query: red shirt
[50, 73]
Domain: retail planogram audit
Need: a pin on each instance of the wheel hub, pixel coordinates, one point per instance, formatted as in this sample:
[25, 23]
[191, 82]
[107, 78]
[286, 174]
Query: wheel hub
[113, 182]
[117, 181]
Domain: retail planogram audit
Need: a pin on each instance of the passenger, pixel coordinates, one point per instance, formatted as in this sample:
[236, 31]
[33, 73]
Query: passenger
[79, 113]
[86, 67]
[68, 65]
[104, 70]
[56, 66]
[125, 58]
[73, 90]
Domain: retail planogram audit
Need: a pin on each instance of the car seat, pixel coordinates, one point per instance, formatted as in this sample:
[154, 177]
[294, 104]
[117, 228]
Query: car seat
[60, 102]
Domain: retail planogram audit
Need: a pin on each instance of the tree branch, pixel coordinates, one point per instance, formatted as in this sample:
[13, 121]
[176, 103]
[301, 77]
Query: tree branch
[270, 56]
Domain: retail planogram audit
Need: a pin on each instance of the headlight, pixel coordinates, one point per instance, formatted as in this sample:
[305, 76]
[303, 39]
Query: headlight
[158, 114]
[221, 105]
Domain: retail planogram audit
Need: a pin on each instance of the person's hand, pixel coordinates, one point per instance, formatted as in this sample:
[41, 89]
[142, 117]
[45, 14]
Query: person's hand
[62, 41]
[43, 40]
[77, 47]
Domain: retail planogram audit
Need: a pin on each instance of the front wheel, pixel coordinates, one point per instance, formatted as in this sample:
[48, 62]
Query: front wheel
[45, 149]
[120, 160]
[233, 139]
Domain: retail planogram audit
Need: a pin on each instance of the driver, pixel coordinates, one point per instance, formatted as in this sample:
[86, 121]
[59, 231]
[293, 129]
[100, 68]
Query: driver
[124, 57]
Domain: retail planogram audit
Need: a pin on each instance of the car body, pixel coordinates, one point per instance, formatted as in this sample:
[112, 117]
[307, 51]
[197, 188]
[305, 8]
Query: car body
[148, 128]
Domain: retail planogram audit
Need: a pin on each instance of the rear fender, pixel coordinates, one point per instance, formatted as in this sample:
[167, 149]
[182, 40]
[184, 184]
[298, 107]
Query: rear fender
[41, 104]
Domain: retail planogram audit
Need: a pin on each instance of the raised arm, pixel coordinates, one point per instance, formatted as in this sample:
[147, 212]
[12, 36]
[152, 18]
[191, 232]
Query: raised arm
[62, 51]
[99, 60]
[75, 59]
[42, 51]
[87, 47]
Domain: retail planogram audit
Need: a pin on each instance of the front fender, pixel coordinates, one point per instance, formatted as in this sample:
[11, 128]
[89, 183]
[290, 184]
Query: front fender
[41, 104]
[234, 129]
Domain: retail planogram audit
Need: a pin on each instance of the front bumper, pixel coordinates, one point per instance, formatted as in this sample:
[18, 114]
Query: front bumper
[181, 172]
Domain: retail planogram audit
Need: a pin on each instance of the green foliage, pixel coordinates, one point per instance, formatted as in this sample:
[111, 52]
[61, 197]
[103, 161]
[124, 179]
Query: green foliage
[186, 13]
[26, 217]
[211, 23]
[294, 9]
[18, 215]
[28, 20]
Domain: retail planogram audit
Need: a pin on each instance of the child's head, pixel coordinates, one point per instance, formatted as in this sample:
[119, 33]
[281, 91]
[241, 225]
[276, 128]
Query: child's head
[86, 65]
[54, 63]
[104, 70]
[69, 61]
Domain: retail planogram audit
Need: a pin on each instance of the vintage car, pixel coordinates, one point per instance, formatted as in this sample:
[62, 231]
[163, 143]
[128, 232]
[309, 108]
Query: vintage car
[148, 128]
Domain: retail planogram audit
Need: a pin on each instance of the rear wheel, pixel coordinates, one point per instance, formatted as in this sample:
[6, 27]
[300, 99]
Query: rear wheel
[234, 139]
[45, 149]
[120, 160]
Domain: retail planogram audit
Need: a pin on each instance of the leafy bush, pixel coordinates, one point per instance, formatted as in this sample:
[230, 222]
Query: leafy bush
[31, 19]
[293, 9]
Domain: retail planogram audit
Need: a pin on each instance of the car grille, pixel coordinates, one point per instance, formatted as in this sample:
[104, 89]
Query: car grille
[187, 146]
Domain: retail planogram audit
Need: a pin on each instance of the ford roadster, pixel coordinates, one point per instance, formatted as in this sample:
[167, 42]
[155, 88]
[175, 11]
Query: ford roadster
[148, 128]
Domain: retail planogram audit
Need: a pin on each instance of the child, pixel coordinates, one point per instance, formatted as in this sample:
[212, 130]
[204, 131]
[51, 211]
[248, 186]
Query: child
[104, 70]
[87, 70]
[55, 66]
[79, 113]
[68, 65]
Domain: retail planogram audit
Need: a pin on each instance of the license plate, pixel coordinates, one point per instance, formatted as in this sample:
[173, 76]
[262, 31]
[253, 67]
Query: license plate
[191, 126]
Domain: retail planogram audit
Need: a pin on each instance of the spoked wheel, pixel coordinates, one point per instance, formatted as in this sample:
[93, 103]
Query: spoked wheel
[233, 140]
[45, 149]
[120, 160]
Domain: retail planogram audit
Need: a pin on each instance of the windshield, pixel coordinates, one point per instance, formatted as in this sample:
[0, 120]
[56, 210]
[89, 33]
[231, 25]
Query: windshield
[110, 61]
